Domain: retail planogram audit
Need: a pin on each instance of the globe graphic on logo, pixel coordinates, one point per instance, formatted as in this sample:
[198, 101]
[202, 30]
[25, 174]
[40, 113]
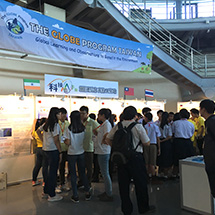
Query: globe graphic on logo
[14, 26]
[67, 86]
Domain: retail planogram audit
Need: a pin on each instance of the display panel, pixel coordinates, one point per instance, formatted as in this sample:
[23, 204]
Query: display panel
[44, 104]
[16, 120]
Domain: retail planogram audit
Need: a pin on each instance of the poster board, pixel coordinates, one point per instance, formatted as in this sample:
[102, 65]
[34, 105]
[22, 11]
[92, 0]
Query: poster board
[16, 122]
[92, 104]
[188, 105]
[44, 104]
[139, 105]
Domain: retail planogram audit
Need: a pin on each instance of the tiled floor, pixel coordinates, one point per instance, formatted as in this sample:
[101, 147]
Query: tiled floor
[23, 199]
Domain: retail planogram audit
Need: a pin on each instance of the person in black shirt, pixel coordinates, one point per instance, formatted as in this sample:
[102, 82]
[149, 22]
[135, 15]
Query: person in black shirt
[207, 108]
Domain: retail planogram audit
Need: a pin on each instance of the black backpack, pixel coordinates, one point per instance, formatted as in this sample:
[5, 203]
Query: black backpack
[122, 146]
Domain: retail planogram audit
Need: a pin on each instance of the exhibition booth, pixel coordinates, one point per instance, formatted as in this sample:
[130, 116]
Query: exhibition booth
[17, 116]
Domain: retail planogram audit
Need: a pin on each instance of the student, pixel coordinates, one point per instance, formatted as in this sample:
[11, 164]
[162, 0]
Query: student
[103, 152]
[74, 138]
[96, 169]
[52, 149]
[171, 117]
[159, 114]
[145, 110]
[90, 125]
[40, 160]
[200, 129]
[165, 160]
[151, 152]
[135, 168]
[63, 123]
[207, 108]
[182, 131]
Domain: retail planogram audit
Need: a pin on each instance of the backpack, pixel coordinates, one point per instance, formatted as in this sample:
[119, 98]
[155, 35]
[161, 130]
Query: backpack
[122, 146]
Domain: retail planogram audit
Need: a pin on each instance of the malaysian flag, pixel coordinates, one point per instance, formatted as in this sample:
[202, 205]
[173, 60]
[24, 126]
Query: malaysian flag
[149, 93]
[128, 91]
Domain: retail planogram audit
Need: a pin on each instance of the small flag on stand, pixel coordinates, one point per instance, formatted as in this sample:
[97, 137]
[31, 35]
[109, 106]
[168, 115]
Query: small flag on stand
[128, 91]
[31, 84]
[149, 93]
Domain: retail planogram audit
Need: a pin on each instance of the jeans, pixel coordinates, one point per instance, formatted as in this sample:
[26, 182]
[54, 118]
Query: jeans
[62, 167]
[88, 157]
[135, 169]
[79, 159]
[51, 182]
[104, 167]
[40, 162]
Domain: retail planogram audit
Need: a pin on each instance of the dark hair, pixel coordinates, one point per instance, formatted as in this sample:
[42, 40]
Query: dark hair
[92, 116]
[184, 113]
[121, 117]
[114, 117]
[171, 113]
[209, 105]
[159, 111]
[37, 125]
[139, 115]
[52, 119]
[84, 108]
[129, 113]
[108, 115]
[149, 116]
[146, 110]
[76, 125]
[176, 117]
[194, 111]
[63, 110]
[164, 119]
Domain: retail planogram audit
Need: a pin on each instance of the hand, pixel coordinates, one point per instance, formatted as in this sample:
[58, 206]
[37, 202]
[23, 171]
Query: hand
[159, 152]
[95, 132]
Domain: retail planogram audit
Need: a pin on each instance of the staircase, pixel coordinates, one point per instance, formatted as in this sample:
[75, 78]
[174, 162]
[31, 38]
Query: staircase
[172, 58]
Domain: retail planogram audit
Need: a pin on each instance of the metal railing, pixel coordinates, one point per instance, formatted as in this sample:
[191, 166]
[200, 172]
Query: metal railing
[180, 51]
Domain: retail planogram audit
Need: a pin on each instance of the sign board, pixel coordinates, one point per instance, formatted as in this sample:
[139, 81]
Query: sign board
[62, 85]
[27, 31]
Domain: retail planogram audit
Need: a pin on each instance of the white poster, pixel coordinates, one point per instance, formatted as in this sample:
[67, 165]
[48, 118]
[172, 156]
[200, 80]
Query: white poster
[44, 104]
[188, 105]
[62, 85]
[16, 120]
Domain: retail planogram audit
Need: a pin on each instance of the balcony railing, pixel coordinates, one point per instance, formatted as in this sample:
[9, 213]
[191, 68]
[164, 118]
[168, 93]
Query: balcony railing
[199, 63]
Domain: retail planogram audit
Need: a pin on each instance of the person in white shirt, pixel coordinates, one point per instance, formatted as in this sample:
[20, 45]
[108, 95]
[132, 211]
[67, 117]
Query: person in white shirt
[135, 168]
[52, 150]
[165, 160]
[182, 131]
[74, 138]
[159, 114]
[103, 151]
[151, 152]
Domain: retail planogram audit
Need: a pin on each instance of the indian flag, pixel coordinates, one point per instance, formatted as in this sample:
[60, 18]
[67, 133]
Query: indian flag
[30, 84]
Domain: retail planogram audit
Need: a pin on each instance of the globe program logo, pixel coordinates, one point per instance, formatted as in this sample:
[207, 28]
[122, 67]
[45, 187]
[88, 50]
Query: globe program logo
[14, 26]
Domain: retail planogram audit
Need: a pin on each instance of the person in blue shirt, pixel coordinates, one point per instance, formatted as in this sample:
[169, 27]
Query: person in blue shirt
[151, 152]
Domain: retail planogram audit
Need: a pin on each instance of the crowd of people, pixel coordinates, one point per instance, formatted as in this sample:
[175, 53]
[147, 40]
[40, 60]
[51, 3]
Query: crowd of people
[86, 144]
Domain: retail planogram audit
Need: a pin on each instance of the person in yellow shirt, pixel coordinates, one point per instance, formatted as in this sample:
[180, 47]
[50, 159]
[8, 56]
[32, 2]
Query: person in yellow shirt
[64, 124]
[40, 161]
[195, 133]
[200, 129]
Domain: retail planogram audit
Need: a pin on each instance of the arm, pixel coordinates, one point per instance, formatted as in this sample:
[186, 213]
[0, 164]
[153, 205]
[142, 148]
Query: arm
[108, 141]
[104, 139]
[57, 143]
[158, 142]
[39, 134]
[67, 142]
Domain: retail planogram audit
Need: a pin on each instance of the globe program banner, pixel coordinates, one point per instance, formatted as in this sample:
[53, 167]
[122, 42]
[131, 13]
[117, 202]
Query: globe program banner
[27, 31]
[69, 86]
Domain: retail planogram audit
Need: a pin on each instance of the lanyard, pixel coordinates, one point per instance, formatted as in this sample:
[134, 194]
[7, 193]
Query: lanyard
[99, 126]
[62, 129]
